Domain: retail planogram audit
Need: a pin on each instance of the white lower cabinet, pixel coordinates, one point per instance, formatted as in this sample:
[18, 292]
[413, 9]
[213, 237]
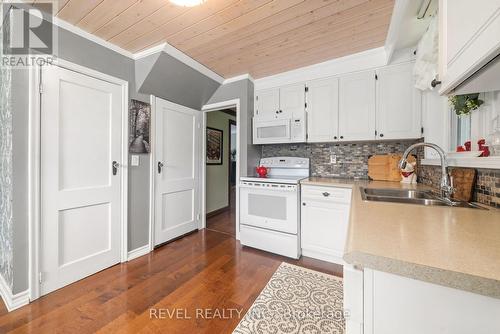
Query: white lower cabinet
[324, 222]
[385, 303]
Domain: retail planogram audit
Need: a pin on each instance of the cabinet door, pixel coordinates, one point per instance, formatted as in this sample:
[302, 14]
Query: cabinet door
[466, 44]
[292, 101]
[267, 103]
[324, 229]
[357, 106]
[323, 110]
[399, 103]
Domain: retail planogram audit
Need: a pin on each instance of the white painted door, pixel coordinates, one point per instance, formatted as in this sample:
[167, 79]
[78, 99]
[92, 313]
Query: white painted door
[357, 106]
[81, 136]
[267, 103]
[178, 153]
[399, 103]
[323, 110]
[292, 101]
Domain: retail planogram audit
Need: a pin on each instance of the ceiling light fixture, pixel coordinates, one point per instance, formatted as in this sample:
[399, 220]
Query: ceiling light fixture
[187, 3]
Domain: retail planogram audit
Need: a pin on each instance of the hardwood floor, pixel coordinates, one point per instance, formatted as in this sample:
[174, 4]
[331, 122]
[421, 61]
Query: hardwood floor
[225, 222]
[204, 270]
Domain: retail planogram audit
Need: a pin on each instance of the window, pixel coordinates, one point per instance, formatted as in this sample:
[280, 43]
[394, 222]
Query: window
[463, 130]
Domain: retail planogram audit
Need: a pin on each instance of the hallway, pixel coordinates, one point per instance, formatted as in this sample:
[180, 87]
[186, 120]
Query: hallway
[225, 222]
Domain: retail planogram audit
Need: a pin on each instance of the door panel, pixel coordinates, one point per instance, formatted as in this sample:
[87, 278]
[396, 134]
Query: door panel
[267, 103]
[323, 110]
[80, 197]
[178, 147]
[357, 106]
[399, 103]
[292, 101]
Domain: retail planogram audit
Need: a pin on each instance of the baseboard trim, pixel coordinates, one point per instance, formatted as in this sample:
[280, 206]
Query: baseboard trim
[13, 302]
[216, 212]
[138, 252]
[323, 256]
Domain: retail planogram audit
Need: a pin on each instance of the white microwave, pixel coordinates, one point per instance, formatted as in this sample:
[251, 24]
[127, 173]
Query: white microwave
[276, 131]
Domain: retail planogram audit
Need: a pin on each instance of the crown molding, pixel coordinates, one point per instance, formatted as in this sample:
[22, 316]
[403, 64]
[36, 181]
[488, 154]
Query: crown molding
[82, 33]
[182, 57]
[165, 47]
[238, 78]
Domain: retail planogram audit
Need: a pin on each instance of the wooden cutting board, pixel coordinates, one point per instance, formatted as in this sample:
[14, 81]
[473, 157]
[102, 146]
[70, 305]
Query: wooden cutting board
[385, 167]
[463, 182]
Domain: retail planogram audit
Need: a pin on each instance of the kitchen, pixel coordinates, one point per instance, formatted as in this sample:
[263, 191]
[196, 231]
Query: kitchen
[359, 138]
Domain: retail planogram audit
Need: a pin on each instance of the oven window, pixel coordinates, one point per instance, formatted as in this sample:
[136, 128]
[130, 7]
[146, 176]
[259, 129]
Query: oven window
[273, 207]
[275, 131]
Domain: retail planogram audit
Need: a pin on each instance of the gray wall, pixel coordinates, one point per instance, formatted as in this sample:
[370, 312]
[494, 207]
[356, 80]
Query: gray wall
[243, 90]
[184, 85]
[81, 51]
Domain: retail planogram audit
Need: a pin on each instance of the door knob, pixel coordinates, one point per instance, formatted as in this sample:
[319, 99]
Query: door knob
[115, 166]
[160, 166]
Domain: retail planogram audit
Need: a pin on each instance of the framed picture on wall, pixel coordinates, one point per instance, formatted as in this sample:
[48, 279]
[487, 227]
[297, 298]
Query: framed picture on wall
[139, 127]
[214, 146]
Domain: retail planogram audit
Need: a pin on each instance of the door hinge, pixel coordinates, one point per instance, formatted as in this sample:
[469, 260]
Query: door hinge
[307, 136]
[422, 130]
[198, 216]
[307, 89]
[40, 277]
[375, 132]
[199, 126]
[376, 76]
[305, 104]
[40, 88]
[256, 97]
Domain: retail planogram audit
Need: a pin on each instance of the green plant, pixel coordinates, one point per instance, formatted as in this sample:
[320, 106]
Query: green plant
[464, 104]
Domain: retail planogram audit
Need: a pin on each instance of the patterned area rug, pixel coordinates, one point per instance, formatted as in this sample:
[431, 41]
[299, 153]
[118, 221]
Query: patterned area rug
[296, 300]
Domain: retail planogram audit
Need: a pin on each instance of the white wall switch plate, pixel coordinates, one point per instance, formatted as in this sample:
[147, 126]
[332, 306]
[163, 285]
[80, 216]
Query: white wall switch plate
[333, 158]
[135, 160]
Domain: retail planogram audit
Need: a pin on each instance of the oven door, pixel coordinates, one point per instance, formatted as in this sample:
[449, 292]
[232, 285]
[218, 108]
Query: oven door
[270, 206]
[271, 131]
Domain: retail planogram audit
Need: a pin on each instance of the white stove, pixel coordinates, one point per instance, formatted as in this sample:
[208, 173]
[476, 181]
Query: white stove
[269, 207]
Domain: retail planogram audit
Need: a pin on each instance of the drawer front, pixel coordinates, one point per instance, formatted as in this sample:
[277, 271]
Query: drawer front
[328, 194]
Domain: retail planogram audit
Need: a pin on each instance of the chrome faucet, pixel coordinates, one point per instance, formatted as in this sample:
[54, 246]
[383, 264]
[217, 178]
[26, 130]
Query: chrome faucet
[446, 180]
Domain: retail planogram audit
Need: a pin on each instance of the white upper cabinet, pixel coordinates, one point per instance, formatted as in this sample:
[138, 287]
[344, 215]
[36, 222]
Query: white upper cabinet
[267, 103]
[399, 107]
[283, 102]
[292, 101]
[469, 38]
[357, 106]
[323, 110]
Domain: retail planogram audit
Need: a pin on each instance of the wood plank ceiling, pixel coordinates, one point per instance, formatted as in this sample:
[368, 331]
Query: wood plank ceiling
[233, 37]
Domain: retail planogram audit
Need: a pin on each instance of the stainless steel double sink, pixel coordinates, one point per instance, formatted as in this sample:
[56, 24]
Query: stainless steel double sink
[410, 196]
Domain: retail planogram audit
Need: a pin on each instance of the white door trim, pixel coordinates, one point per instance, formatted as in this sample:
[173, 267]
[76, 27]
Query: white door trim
[34, 168]
[214, 107]
[152, 173]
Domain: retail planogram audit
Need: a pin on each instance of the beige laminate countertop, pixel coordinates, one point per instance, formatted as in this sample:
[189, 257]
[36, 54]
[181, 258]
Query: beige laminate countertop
[454, 247]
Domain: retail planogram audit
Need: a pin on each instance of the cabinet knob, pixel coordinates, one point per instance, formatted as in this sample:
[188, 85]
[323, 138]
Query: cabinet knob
[326, 194]
[381, 135]
[341, 137]
[335, 137]
[304, 203]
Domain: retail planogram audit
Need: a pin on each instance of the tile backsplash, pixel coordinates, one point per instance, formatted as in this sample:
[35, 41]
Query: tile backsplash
[352, 162]
[486, 190]
[351, 158]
